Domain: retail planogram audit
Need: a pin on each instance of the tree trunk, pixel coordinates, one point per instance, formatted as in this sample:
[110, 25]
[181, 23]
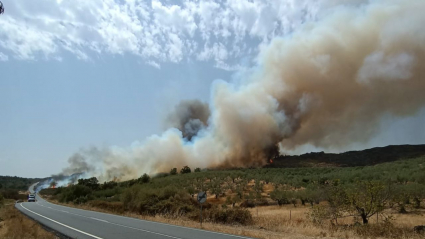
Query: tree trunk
[364, 218]
[402, 209]
[417, 203]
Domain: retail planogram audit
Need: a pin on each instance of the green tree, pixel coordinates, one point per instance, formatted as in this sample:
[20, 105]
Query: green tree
[144, 178]
[215, 187]
[367, 198]
[74, 192]
[92, 183]
[185, 170]
[109, 185]
[197, 170]
[233, 200]
[416, 193]
[173, 171]
[280, 196]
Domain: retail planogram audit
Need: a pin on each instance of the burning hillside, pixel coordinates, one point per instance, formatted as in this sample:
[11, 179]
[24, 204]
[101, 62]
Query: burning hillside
[328, 84]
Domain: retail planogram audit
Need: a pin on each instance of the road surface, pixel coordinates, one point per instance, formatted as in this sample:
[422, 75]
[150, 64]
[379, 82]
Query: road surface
[77, 223]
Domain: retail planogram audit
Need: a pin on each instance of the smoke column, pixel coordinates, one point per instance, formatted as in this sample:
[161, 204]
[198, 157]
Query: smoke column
[327, 84]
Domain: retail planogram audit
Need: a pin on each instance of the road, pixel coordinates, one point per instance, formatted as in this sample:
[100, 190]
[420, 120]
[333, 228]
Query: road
[77, 223]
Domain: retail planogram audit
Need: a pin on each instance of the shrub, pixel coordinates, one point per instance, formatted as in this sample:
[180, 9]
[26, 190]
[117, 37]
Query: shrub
[152, 201]
[173, 171]
[75, 192]
[185, 170]
[228, 216]
[117, 207]
[92, 183]
[144, 178]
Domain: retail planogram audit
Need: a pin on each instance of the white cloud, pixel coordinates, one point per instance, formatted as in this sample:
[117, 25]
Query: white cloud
[3, 57]
[154, 64]
[157, 31]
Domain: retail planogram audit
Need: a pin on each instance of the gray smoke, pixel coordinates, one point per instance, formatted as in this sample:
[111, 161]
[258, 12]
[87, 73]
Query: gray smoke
[189, 116]
[328, 84]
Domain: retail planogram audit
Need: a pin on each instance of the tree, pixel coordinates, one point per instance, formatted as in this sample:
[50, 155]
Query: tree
[416, 193]
[232, 200]
[109, 185]
[90, 182]
[185, 170]
[197, 170]
[367, 198]
[144, 178]
[363, 199]
[280, 196]
[1, 186]
[173, 171]
[215, 187]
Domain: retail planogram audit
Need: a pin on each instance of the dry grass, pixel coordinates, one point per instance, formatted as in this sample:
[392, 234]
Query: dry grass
[16, 226]
[294, 220]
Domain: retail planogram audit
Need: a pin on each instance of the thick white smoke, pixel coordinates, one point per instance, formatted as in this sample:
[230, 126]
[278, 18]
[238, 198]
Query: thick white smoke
[328, 84]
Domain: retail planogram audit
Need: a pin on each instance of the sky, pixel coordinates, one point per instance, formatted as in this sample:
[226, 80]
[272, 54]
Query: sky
[76, 74]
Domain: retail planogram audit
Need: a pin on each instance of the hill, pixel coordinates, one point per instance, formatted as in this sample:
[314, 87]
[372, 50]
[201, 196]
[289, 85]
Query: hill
[365, 157]
[16, 183]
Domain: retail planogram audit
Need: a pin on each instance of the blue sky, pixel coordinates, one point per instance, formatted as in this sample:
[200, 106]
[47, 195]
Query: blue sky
[76, 74]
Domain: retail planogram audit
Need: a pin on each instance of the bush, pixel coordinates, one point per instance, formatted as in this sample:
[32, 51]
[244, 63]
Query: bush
[228, 216]
[13, 194]
[144, 178]
[152, 201]
[173, 171]
[92, 183]
[116, 207]
[75, 193]
[185, 170]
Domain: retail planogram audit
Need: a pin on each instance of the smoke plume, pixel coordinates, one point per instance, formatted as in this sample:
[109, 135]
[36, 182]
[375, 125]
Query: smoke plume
[328, 84]
[189, 116]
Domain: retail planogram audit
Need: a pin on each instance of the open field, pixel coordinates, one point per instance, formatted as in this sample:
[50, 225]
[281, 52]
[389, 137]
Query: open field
[14, 225]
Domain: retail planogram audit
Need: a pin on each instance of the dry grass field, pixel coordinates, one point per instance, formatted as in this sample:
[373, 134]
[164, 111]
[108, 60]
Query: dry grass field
[14, 225]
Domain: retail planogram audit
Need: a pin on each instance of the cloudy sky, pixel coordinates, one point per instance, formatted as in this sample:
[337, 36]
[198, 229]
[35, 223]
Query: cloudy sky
[75, 74]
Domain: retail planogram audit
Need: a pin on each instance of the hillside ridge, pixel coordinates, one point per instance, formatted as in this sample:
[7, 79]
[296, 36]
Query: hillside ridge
[366, 157]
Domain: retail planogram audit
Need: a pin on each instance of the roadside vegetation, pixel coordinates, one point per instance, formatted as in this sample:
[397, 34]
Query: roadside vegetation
[384, 200]
[14, 225]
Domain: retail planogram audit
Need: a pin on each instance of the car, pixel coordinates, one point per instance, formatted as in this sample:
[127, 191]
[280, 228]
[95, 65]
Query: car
[31, 198]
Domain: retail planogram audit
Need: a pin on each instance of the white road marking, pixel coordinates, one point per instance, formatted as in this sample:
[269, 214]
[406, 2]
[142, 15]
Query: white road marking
[98, 219]
[88, 234]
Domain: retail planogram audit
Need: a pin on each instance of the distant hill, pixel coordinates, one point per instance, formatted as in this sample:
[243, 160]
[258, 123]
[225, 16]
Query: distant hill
[16, 183]
[365, 157]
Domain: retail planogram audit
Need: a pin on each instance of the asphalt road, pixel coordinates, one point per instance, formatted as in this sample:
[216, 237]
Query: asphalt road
[77, 223]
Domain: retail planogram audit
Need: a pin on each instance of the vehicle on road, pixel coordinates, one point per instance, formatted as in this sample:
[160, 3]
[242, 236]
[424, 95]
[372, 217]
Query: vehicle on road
[31, 198]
